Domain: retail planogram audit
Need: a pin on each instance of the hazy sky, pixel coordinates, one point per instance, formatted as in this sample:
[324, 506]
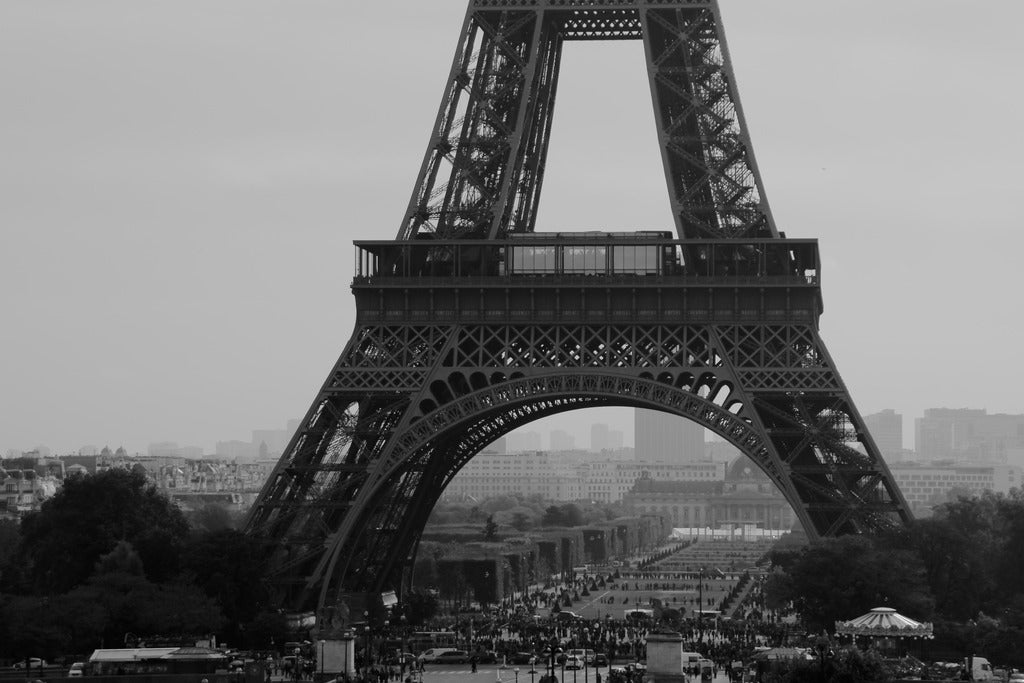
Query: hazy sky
[181, 181]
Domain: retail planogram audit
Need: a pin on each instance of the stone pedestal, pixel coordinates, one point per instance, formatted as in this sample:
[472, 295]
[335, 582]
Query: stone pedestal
[336, 656]
[665, 658]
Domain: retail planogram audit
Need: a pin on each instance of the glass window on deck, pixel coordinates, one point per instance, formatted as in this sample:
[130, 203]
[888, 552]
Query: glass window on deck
[587, 259]
[636, 259]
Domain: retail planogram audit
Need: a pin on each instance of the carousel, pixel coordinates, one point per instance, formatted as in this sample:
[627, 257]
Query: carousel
[887, 629]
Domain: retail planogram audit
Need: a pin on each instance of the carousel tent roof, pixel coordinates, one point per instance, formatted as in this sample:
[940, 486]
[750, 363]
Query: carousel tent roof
[883, 621]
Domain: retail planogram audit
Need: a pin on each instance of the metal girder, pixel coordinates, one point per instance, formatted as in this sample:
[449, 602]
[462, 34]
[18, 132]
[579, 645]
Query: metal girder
[811, 443]
[452, 349]
[483, 170]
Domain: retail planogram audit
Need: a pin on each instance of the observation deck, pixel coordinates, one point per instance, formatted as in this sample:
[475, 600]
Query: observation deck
[588, 277]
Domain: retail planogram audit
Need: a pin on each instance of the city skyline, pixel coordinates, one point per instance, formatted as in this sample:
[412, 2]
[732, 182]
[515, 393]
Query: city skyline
[183, 187]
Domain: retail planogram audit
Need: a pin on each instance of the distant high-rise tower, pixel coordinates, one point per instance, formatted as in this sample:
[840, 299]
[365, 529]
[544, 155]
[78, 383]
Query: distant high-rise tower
[598, 436]
[522, 441]
[562, 440]
[886, 427]
[661, 437]
[969, 435]
[496, 447]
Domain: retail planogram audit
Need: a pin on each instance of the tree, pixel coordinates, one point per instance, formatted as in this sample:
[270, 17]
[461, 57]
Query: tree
[132, 604]
[490, 529]
[213, 517]
[420, 607]
[520, 522]
[222, 565]
[842, 578]
[9, 536]
[553, 516]
[61, 543]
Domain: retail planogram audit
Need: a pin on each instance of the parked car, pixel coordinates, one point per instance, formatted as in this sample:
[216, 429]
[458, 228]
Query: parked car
[600, 659]
[33, 663]
[573, 663]
[433, 653]
[522, 658]
[585, 654]
[546, 655]
[77, 669]
[452, 657]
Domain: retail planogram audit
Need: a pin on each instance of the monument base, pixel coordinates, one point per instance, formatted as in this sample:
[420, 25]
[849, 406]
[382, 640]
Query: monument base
[336, 656]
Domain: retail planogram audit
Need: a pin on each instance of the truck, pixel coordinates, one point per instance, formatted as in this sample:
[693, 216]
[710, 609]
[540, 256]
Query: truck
[978, 668]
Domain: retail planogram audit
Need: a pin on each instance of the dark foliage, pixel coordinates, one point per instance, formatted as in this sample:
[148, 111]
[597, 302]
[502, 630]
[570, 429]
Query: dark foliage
[61, 543]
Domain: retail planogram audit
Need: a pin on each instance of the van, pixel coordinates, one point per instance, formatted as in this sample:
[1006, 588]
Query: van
[586, 656]
[691, 662]
[433, 653]
[978, 668]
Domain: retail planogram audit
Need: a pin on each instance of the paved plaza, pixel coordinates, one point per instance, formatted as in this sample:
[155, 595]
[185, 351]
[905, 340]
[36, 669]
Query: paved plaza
[492, 674]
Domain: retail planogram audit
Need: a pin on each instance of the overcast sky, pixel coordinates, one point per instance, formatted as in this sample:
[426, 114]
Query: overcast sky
[181, 181]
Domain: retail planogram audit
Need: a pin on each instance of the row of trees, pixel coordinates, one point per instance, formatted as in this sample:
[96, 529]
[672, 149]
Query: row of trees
[524, 512]
[959, 568]
[109, 556]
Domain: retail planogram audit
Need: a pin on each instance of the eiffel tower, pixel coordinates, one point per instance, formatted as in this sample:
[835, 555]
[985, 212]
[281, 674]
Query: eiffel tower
[469, 324]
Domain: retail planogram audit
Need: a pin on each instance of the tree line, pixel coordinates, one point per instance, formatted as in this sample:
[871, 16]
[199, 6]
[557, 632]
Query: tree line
[109, 561]
[959, 568]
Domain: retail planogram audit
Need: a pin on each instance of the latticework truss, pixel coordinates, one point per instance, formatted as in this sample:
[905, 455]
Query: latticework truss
[483, 170]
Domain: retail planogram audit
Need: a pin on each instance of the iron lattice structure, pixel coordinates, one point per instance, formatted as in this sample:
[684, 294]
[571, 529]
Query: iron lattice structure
[470, 325]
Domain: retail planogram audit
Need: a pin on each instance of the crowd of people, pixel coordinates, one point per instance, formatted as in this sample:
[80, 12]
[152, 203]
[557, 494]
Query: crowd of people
[611, 611]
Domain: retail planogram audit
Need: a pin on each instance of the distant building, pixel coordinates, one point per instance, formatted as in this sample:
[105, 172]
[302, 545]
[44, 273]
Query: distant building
[26, 482]
[924, 484]
[169, 449]
[276, 440]
[236, 450]
[969, 435]
[562, 440]
[609, 480]
[566, 476]
[162, 449]
[615, 439]
[522, 442]
[496, 447]
[886, 428]
[599, 437]
[746, 497]
[662, 437]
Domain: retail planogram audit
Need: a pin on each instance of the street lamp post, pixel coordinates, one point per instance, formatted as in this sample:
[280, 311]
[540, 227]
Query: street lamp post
[516, 670]
[368, 635]
[554, 644]
[700, 606]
